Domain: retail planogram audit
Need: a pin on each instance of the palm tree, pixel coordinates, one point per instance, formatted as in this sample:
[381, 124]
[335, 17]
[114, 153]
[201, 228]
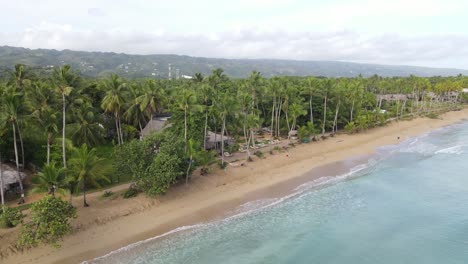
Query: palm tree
[47, 119]
[311, 88]
[11, 104]
[186, 101]
[64, 79]
[152, 98]
[226, 104]
[327, 85]
[87, 168]
[190, 152]
[86, 128]
[134, 115]
[296, 111]
[114, 101]
[205, 92]
[51, 180]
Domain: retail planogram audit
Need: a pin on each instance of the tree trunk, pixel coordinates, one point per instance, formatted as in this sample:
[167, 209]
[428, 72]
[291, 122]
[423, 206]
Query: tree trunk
[120, 128]
[278, 124]
[247, 141]
[273, 117]
[22, 148]
[188, 169]
[185, 129]
[49, 139]
[352, 111]
[18, 176]
[70, 198]
[324, 115]
[117, 129]
[335, 121]
[64, 155]
[311, 111]
[1, 183]
[205, 129]
[85, 204]
[222, 139]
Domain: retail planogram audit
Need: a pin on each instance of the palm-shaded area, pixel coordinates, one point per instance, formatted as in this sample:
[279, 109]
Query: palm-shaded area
[60, 123]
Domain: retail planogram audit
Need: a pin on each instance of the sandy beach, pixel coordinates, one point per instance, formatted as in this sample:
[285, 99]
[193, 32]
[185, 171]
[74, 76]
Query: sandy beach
[110, 224]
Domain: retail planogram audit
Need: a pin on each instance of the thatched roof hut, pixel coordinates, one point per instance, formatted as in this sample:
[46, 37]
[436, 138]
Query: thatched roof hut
[213, 140]
[157, 125]
[9, 176]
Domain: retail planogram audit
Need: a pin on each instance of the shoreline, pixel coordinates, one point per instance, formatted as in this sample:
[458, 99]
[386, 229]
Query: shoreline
[213, 197]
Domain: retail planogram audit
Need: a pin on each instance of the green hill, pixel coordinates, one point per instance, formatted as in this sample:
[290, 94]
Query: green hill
[132, 66]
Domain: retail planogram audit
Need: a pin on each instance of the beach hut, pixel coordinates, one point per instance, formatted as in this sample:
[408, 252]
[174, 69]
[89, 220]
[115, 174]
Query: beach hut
[158, 124]
[10, 182]
[213, 140]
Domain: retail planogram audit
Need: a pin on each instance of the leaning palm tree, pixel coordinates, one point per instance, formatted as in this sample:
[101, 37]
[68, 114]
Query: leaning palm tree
[114, 101]
[51, 180]
[87, 168]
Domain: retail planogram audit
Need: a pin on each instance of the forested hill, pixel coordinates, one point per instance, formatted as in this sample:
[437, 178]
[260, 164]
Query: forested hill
[101, 63]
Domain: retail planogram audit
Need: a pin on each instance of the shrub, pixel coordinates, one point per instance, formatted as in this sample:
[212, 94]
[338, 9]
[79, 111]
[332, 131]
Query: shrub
[259, 154]
[11, 217]
[233, 148]
[50, 221]
[107, 193]
[132, 191]
[350, 127]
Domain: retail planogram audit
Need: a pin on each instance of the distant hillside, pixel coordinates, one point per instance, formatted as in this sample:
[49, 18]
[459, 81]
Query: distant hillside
[101, 63]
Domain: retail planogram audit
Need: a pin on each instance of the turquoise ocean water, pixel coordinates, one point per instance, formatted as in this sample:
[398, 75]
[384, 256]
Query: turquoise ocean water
[408, 204]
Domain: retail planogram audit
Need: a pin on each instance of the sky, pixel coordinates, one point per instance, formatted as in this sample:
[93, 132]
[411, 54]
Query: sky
[401, 32]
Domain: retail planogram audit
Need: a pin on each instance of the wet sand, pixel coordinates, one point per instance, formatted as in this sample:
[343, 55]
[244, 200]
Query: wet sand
[111, 224]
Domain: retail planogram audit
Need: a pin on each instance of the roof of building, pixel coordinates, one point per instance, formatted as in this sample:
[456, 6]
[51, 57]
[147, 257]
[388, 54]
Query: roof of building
[9, 175]
[156, 125]
[214, 137]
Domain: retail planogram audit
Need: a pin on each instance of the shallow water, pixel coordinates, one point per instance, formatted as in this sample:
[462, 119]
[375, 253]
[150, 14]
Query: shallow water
[409, 204]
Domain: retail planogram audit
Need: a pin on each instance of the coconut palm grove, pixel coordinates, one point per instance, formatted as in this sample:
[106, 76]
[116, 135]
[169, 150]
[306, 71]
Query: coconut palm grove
[65, 134]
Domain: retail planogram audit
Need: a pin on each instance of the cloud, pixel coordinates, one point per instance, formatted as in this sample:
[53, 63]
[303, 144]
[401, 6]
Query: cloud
[441, 50]
[97, 12]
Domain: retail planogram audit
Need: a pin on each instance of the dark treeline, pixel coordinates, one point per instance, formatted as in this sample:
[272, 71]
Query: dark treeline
[79, 132]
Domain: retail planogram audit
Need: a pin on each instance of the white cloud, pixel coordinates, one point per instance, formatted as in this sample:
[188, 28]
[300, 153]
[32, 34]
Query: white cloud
[444, 50]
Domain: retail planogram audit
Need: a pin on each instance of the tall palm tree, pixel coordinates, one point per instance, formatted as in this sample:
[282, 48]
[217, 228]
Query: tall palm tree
[151, 99]
[205, 92]
[226, 104]
[64, 79]
[87, 168]
[51, 180]
[114, 101]
[11, 103]
[186, 101]
[134, 115]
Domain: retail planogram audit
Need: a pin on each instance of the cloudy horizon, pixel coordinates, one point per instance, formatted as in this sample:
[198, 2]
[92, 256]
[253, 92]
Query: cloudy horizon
[421, 33]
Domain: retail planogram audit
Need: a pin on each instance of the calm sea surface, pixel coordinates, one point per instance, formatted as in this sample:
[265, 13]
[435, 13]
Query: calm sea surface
[409, 204]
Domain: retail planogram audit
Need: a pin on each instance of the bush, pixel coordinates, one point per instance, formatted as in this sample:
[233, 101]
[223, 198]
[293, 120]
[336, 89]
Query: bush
[11, 217]
[132, 191]
[107, 193]
[350, 127]
[233, 148]
[50, 221]
[259, 154]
